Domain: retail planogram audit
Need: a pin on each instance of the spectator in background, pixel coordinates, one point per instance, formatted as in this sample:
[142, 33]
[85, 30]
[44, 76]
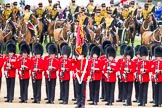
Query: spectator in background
[158, 11]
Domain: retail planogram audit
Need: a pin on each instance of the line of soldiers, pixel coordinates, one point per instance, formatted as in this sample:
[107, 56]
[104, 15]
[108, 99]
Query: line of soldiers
[92, 67]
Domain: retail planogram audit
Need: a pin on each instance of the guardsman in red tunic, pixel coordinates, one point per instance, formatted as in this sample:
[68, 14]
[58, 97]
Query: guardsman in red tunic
[61, 82]
[10, 66]
[105, 44]
[24, 64]
[82, 73]
[152, 77]
[143, 75]
[121, 95]
[95, 74]
[110, 68]
[73, 74]
[90, 82]
[51, 67]
[64, 72]
[1, 64]
[136, 83]
[156, 70]
[127, 70]
[37, 67]
[45, 58]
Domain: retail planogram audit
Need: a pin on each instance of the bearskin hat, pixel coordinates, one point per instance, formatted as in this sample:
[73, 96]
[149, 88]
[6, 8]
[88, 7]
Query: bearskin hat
[84, 49]
[91, 0]
[52, 49]
[72, 0]
[21, 43]
[11, 48]
[10, 41]
[66, 50]
[48, 45]
[25, 49]
[27, 7]
[62, 44]
[143, 51]
[1, 47]
[158, 51]
[90, 47]
[106, 46]
[129, 51]
[122, 47]
[110, 51]
[137, 50]
[106, 42]
[38, 49]
[153, 50]
[96, 50]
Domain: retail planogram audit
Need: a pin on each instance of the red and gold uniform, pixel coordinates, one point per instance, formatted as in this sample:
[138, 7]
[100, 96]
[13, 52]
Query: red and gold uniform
[10, 66]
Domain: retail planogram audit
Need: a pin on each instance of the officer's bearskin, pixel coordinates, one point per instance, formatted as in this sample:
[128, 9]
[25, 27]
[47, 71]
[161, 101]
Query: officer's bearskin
[66, 50]
[106, 42]
[48, 45]
[122, 47]
[96, 50]
[137, 50]
[129, 51]
[25, 49]
[11, 48]
[21, 43]
[143, 51]
[90, 47]
[158, 51]
[38, 49]
[110, 51]
[153, 50]
[52, 49]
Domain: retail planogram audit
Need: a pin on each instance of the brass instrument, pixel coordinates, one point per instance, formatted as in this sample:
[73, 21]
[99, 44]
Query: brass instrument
[62, 71]
[23, 68]
[34, 73]
[142, 68]
[92, 70]
[49, 70]
[126, 72]
[156, 72]
[136, 74]
[108, 71]
[8, 70]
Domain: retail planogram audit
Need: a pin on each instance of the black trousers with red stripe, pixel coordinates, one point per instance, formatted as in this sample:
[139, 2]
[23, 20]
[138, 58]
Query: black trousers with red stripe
[81, 93]
[24, 84]
[95, 90]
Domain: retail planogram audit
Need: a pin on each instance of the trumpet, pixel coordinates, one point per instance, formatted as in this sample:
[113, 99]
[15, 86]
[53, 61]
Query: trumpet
[140, 76]
[126, 71]
[34, 73]
[108, 71]
[92, 71]
[8, 70]
[62, 71]
[156, 72]
[49, 70]
[23, 68]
